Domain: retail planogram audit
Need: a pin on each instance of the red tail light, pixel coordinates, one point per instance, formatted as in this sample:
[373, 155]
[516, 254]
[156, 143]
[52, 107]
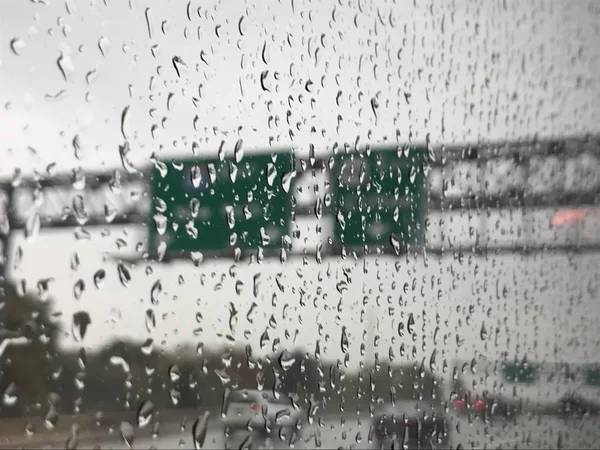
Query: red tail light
[459, 404]
[255, 406]
[476, 405]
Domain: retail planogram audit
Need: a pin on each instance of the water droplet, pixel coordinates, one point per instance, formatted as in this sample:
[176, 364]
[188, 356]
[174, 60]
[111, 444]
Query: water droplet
[264, 339]
[124, 274]
[177, 63]
[191, 230]
[103, 45]
[174, 373]
[81, 322]
[60, 95]
[99, 277]
[341, 220]
[115, 182]
[233, 170]
[374, 107]
[410, 324]
[43, 286]
[432, 361]
[160, 221]
[263, 80]
[286, 360]
[247, 443]
[124, 151]
[79, 209]
[148, 15]
[82, 234]
[150, 320]
[147, 347]
[17, 177]
[199, 430]
[51, 417]
[120, 361]
[344, 341]
[271, 173]
[319, 208]
[196, 257]
[73, 440]
[78, 289]
[230, 213]
[239, 287]
[32, 226]
[128, 433]
[233, 317]
[265, 54]
[223, 376]
[286, 181]
[195, 175]
[161, 205]
[125, 122]
[75, 261]
[395, 244]
[282, 415]
[396, 214]
[64, 65]
[145, 413]
[16, 45]
[194, 207]
[240, 28]
[483, 332]
[413, 174]
[110, 212]
[9, 398]
[161, 250]
[155, 292]
[238, 151]
[91, 76]
[170, 101]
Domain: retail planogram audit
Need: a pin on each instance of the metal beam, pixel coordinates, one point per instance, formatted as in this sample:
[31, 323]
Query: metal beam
[89, 179]
[127, 218]
[508, 201]
[384, 251]
[135, 213]
[443, 154]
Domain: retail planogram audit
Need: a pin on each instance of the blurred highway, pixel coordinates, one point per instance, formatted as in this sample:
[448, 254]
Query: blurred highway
[349, 433]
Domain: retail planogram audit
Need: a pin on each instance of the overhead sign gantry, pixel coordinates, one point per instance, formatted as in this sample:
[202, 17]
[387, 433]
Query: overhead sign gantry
[376, 198]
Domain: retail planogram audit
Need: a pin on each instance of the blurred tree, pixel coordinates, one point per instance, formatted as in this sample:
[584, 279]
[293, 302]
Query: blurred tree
[29, 343]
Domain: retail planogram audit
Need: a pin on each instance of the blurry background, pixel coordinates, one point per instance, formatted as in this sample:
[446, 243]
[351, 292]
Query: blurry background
[499, 98]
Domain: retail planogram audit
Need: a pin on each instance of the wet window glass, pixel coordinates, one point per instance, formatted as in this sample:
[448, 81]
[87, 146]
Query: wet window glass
[308, 224]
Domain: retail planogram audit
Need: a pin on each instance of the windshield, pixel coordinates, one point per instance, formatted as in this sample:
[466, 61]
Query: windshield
[312, 211]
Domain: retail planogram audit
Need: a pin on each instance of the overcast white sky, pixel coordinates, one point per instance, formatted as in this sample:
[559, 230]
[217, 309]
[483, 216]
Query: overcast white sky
[461, 71]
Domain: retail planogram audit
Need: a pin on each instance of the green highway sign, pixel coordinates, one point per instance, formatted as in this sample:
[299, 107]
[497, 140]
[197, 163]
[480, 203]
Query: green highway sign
[592, 376]
[520, 372]
[208, 204]
[379, 197]
[212, 204]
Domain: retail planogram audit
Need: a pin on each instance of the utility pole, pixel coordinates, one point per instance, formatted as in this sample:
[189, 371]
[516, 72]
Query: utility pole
[7, 232]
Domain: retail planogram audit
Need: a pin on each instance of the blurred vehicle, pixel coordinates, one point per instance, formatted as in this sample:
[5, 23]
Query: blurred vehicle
[575, 404]
[411, 424]
[261, 412]
[486, 405]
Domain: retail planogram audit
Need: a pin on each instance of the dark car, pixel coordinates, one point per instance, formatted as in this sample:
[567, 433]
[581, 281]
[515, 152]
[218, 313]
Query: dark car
[578, 405]
[411, 424]
[261, 412]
